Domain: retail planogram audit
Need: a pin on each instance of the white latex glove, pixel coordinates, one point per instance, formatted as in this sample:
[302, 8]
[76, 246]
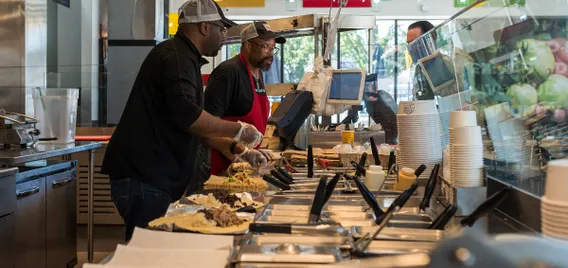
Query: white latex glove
[268, 154]
[255, 158]
[248, 135]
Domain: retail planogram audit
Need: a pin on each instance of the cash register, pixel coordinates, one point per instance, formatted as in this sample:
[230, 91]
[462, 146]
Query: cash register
[344, 90]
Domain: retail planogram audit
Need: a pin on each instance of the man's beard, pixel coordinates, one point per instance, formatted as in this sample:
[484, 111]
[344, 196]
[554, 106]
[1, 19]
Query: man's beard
[263, 65]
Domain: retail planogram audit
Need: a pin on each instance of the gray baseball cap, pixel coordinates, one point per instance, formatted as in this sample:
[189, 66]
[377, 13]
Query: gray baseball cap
[262, 30]
[195, 11]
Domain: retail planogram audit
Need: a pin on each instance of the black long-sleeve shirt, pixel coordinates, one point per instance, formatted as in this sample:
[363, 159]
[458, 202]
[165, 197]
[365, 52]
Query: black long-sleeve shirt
[150, 143]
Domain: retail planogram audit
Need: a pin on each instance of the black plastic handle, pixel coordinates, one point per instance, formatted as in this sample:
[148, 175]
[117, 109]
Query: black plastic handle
[441, 221]
[430, 186]
[360, 170]
[368, 196]
[268, 178]
[275, 228]
[318, 202]
[285, 173]
[362, 162]
[489, 204]
[310, 162]
[375, 152]
[279, 177]
[419, 170]
[331, 187]
[392, 160]
[48, 139]
[400, 201]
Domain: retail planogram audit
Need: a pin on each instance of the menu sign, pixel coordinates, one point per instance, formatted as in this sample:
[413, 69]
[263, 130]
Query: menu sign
[335, 3]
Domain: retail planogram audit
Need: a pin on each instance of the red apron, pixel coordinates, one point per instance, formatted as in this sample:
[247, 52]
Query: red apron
[257, 116]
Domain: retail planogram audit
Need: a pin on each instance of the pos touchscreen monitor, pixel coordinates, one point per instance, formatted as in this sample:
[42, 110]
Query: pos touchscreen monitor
[436, 71]
[346, 87]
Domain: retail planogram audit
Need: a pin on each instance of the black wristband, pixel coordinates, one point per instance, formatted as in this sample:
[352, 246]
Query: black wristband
[233, 147]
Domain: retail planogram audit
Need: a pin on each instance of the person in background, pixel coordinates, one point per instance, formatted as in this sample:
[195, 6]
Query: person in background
[422, 89]
[459, 63]
[236, 90]
[151, 154]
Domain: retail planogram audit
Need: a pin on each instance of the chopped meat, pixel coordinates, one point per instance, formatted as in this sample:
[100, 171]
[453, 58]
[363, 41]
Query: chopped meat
[222, 216]
[240, 167]
[226, 198]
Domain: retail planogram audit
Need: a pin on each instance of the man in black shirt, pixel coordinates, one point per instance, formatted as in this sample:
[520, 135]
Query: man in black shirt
[151, 155]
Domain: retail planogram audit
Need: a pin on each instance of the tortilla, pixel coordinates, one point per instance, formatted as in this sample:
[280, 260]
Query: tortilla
[252, 184]
[209, 201]
[196, 223]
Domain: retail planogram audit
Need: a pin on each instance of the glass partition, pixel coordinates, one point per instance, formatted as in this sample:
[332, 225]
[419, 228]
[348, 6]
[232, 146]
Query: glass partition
[508, 63]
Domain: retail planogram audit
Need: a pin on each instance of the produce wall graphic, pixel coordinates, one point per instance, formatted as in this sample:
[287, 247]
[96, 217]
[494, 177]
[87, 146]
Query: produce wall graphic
[532, 78]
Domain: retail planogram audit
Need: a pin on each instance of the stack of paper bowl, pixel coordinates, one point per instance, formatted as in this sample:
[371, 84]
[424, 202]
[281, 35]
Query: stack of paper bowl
[554, 205]
[466, 157]
[419, 135]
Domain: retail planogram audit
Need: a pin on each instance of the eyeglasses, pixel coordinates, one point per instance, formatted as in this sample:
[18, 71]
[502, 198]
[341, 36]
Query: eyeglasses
[267, 48]
[221, 26]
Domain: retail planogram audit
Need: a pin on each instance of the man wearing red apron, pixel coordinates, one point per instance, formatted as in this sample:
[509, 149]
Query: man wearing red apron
[236, 91]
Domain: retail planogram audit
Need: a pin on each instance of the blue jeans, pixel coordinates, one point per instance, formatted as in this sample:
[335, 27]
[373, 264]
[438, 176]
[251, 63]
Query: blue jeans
[138, 203]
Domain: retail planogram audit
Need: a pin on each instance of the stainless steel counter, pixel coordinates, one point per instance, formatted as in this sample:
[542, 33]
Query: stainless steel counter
[16, 156]
[7, 171]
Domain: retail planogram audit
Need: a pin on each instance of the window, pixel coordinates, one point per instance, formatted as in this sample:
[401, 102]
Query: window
[233, 50]
[298, 58]
[354, 50]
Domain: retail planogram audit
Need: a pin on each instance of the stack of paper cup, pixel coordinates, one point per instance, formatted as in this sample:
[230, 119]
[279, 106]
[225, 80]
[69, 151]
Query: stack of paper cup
[419, 135]
[466, 150]
[462, 119]
[554, 205]
[457, 102]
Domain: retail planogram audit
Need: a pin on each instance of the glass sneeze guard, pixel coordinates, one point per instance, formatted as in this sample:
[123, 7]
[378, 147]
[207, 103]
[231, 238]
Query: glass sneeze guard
[508, 61]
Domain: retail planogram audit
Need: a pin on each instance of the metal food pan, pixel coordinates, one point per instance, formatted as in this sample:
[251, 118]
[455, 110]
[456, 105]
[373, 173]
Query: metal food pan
[402, 234]
[304, 220]
[409, 224]
[272, 239]
[334, 215]
[399, 247]
[353, 215]
[290, 254]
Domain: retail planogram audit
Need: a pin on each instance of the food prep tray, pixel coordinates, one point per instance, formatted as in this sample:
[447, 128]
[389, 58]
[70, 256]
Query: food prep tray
[286, 253]
[354, 215]
[399, 234]
[347, 222]
[355, 204]
[304, 220]
[272, 239]
[333, 215]
[382, 247]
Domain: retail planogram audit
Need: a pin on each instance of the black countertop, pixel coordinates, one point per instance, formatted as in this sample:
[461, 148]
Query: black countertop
[15, 156]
